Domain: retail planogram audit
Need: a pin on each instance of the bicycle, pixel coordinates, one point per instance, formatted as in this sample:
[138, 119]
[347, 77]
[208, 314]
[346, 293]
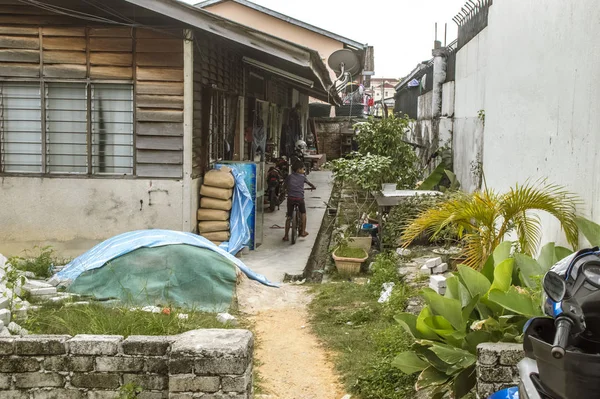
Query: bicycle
[297, 227]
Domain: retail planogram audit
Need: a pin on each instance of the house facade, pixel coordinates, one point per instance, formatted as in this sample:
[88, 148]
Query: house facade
[110, 114]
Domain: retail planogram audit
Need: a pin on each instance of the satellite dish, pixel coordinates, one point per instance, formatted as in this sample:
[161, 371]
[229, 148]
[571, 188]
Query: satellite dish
[345, 58]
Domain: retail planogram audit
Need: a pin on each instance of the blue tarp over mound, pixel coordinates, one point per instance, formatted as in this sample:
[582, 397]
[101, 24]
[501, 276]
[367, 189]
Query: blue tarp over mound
[125, 243]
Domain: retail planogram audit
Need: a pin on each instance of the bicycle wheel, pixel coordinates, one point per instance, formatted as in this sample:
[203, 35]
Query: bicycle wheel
[294, 224]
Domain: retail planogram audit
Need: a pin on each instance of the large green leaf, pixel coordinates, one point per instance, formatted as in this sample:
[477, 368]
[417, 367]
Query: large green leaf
[431, 377]
[450, 309]
[408, 321]
[456, 290]
[502, 252]
[454, 183]
[503, 275]
[440, 325]
[409, 363]
[464, 382]
[468, 309]
[488, 269]
[423, 329]
[475, 338]
[475, 282]
[547, 256]
[590, 230]
[453, 355]
[529, 269]
[562, 252]
[514, 301]
[434, 179]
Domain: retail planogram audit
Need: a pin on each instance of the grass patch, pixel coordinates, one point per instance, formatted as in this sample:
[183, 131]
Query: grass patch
[103, 320]
[363, 333]
[348, 252]
[39, 261]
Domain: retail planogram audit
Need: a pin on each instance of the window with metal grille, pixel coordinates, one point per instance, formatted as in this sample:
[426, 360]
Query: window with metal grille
[221, 126]
[86, 128]
[20, 128]
[112, 129]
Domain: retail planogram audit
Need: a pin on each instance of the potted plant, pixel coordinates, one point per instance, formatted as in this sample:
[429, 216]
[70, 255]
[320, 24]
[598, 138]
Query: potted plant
[349, 253]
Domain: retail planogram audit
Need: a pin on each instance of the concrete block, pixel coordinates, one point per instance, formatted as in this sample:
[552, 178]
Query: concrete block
[443, 268]
[156, 366]
[96, 380]
[192, 383]
[19, 365]
[425, 270]
[7, 345]
[53, 281]
[37, 345]
[216, 343]
[89, 345]
[237, 383]
[438, 281]
[42, 291]
[39, 380]
[69, 363]
[119, 364]
[15, 395]
[495, 374]
[403, 252]
[59, 394]
[151, 382]
[146, 346]
[439, 290]
[4, 302]
[5, 316]
[4, 332]
[5, 380]
[433, 262]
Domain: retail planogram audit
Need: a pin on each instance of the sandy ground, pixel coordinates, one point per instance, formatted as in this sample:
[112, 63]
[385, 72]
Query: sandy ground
[289, 358]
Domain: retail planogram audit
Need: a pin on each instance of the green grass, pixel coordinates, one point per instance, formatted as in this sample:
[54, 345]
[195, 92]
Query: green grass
[364, 338]
[103, 320]
[348, 252]
[38, 261]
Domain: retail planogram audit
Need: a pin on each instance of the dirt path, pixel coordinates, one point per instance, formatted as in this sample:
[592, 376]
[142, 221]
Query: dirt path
[290, 360]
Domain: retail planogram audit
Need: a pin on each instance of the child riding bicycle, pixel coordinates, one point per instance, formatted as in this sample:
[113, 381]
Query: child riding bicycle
[295, 189]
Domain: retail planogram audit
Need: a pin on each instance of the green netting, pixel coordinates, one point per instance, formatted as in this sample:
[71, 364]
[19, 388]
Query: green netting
[177, 275]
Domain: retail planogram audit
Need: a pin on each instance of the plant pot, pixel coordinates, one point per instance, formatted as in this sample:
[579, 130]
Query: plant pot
[360, 242]
[348, 266]
[388, 187]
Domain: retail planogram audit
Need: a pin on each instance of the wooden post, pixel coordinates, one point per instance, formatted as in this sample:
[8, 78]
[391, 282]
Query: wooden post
[189, 218]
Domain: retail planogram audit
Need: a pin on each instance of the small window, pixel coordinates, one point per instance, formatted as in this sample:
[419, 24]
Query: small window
[20, 128]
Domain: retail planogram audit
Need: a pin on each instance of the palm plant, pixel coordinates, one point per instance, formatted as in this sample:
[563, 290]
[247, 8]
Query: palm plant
[485, 218]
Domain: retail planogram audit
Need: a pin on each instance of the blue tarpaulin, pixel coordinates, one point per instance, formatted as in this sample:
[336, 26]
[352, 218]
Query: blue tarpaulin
[128, 242]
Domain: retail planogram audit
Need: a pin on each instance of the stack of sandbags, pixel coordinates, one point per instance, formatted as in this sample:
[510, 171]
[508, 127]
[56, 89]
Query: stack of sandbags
[215, 205]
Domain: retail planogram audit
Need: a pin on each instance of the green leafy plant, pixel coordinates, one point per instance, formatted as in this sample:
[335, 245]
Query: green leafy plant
[590, 230]
[129, 391]
[442, 179]
[483, 219]
[12, 279]
[401, 216]
[384, 270]
[366, 171]
[38, 261]
[476, 308]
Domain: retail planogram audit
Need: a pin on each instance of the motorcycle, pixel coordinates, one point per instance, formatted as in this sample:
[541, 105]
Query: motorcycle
[562, 351]
[276, 185]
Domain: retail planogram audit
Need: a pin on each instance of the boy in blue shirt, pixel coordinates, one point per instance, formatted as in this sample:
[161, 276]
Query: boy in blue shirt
[295, 189]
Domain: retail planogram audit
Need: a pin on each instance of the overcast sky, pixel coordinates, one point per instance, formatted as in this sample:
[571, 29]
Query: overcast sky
[402, 31]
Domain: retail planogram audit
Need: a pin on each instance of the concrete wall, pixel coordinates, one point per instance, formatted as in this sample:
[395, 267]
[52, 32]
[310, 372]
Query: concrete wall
[207, 363]
[72, 214]
[541, 99]
[470, 89]
[278, 28]
[497, 367]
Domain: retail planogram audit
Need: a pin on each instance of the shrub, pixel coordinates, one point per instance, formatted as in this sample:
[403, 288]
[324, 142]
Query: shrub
[488, 306]
[385, 270]
[39, 261]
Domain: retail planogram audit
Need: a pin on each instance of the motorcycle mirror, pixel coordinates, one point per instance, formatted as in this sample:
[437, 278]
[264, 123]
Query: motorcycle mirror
[554, 286]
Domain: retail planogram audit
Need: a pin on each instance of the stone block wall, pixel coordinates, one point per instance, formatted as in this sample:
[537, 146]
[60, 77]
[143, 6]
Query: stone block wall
[203, 363]
[330, 132]
[497, 367]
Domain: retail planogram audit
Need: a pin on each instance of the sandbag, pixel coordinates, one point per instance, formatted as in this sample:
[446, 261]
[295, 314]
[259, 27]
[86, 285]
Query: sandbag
[217, 236]
[217, 243]
[219, 178]
[216, 192]
[212, 214]
[211, 226]
[213, 203]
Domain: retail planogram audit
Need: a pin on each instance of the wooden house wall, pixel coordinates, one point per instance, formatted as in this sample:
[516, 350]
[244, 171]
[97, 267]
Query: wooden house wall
[53, 47]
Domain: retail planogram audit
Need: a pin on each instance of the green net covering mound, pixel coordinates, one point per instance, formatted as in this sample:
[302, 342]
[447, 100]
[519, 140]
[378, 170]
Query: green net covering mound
[174, 275]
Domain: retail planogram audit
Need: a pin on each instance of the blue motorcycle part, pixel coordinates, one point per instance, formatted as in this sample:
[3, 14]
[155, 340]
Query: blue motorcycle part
[508, 393]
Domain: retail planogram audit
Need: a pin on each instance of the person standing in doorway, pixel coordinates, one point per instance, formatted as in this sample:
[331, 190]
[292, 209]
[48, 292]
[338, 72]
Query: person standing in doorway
[295, 189]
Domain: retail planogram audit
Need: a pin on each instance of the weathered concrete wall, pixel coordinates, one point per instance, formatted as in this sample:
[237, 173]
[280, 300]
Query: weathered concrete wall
[497, 367]
[207, 363]
[471, 73]
[330, 132]
[541, 99]
[73, 213]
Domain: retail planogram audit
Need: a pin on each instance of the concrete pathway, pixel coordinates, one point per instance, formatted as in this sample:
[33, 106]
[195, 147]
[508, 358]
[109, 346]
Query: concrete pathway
[275, 257]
